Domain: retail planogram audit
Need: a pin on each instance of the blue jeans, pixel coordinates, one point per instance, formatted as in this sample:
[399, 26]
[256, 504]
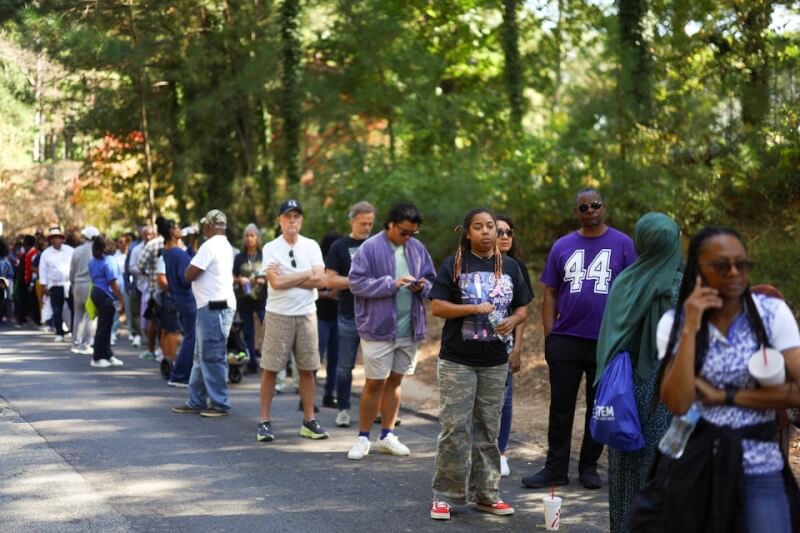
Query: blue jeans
[766, 503]
[249, 330]
[348, 348]
[329, 347]
[208, 382]
[505, 420]
[187, 314]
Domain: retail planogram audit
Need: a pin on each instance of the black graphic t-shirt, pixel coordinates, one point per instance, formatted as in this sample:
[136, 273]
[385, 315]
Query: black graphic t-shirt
[339, 257]
[471, 340]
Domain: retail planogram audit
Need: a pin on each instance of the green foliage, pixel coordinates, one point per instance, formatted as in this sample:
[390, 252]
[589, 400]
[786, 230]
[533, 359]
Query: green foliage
[686, 107]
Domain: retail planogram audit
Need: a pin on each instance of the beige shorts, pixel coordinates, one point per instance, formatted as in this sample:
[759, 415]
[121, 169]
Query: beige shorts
[383, 357]
[284, 335]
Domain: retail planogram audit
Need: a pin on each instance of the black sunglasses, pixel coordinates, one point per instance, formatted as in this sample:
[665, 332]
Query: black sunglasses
[723, 267]
[503, 232]
[594, 205]
[407, 233]
[291, 255]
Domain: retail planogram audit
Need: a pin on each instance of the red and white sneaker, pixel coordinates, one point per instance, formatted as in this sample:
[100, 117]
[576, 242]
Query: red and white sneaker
[440, 510]
[499, 508]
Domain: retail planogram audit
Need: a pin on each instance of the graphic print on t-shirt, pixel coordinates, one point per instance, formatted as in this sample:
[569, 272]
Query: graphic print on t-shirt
[480, 287]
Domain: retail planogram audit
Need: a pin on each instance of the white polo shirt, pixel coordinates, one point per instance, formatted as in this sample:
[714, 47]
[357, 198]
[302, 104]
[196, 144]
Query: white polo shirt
[215, 283]
[306, 254]
[54, 267]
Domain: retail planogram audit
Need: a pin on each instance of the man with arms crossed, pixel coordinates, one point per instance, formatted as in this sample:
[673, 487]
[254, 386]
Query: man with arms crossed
[390, 277]
[295, 270]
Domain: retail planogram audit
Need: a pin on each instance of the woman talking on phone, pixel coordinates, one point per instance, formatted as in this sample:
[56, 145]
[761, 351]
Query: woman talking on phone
[472, 371]
[731, 475]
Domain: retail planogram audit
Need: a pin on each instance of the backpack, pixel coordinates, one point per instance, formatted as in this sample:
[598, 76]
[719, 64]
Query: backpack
[615, 417]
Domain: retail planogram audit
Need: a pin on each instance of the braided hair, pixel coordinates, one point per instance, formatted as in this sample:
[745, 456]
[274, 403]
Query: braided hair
[687, 286]
[464, 247]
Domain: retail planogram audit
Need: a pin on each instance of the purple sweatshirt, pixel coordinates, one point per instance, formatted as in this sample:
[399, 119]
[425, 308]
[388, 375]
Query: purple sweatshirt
[372, 282]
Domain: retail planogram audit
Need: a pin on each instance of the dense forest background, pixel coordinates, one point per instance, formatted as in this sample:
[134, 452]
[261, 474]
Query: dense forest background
[690, 107]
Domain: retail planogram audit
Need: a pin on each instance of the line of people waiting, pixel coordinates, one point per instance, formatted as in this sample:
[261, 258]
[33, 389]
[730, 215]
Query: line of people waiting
[604, 293]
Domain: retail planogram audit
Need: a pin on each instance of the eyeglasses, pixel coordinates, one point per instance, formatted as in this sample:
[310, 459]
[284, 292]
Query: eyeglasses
[408, 233]
[291, 255]
[503, 232]
[723, 267]
[594, 205]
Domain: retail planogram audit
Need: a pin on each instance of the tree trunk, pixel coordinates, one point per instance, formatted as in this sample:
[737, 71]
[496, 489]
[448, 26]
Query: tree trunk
[513, 68]
[290, 100]
[635, 61]
[754, 17]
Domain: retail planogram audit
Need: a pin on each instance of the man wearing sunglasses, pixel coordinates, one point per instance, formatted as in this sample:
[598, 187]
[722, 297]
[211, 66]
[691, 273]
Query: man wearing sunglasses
[295, 270]
[390, 277]
[580, 269]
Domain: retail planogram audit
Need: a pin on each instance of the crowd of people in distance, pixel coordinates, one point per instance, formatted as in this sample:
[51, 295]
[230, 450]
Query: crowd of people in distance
[210, 312]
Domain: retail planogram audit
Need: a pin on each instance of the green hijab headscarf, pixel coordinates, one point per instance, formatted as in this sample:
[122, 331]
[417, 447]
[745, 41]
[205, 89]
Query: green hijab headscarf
[641, 294]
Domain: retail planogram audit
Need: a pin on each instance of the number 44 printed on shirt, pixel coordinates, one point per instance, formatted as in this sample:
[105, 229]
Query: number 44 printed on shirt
[599, 270]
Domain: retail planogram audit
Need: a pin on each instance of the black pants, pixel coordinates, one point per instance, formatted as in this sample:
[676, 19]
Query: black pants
[568, 359]
[105, 318]
[57, 298]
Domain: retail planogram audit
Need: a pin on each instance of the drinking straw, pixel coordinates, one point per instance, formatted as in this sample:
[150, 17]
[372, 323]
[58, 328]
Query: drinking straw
[552, 492]
[765, 356]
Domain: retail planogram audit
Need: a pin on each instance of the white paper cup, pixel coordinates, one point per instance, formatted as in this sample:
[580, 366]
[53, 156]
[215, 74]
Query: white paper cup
[773, 372]
[552, 512]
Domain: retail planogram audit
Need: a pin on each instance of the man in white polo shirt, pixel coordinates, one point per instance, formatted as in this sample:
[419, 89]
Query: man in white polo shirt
[295, 270]
[54, 276]
[211, 276]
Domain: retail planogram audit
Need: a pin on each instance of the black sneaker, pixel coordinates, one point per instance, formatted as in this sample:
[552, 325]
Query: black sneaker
[185, 409]
[213, 412]
[590, 479]
[330, 401]
[545, 478]
[264, 433]
[312, 430]
[300, 407]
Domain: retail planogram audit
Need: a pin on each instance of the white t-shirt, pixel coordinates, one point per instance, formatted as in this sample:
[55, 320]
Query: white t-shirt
[306, 254]
[215, 258]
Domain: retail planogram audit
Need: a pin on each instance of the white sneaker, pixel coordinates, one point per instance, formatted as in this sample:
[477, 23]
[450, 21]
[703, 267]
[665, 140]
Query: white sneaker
[159, 355]
[360, 449]
[75, 349]
[58, 338]
[391, 444]
[115, 361]
[87, 350]
[100, 363]
[343, 419]
[505, 471]
[113, 340]
[136, 341]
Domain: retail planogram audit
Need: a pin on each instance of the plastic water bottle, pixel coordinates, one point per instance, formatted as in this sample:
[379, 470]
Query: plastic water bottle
[673, 443]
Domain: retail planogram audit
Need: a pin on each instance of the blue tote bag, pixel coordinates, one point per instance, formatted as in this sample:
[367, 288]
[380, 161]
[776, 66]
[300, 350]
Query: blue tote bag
[615, 417]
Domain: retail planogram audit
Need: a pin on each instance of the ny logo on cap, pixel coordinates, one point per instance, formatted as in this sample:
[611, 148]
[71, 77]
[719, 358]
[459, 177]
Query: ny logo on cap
[291, 203]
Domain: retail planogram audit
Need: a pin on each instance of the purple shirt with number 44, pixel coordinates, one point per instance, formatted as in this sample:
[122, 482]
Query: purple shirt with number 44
[583, 269]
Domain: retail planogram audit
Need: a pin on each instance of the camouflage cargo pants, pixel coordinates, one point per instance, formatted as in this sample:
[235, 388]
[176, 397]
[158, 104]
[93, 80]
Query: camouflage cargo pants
[467, 466]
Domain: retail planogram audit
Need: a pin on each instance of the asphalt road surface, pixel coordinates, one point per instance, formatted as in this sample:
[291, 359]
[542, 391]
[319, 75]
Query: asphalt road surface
[87, 449]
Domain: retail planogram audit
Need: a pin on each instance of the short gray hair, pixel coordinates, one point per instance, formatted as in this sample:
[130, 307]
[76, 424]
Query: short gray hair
[359, 208]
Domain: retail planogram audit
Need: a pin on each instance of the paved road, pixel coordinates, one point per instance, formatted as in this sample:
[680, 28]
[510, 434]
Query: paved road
[99, 450]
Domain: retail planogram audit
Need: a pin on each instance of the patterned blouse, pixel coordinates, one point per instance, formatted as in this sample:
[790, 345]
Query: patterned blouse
[726, 364]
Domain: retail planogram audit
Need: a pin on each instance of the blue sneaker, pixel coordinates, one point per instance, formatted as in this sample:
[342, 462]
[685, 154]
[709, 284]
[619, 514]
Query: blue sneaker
[264, 433]
[312, 430]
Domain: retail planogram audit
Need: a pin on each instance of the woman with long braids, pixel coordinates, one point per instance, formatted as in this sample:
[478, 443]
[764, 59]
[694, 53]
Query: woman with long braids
[472, 372]
[732, 475]
[507, 244]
